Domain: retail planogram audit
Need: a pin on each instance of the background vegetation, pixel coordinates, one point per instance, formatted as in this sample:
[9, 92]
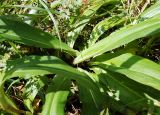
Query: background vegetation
[89, 57]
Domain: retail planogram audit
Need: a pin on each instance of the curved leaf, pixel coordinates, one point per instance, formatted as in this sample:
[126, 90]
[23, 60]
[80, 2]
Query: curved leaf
[121, 37]
[120, 92]
[11, 30]
[136, 68]
[40, 65]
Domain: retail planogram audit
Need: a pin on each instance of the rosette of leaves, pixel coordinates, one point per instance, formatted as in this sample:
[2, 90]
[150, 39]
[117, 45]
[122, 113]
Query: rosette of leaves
[109, 75]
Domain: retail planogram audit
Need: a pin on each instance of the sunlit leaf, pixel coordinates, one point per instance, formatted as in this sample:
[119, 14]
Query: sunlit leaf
[11, 30]
[134, 67]
[40, 65]
[56, 96]
[120, 92]
[121, 37]
[151, 11]
[103, 26]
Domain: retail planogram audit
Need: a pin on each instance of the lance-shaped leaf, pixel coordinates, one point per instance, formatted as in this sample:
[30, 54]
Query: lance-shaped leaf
[151, 12]
[11, 30]
[120, 92]
[121, 37]
[110, 101]
[85, 18]
[134, 67]
[40, 65]
[56, 96]
[103, 26]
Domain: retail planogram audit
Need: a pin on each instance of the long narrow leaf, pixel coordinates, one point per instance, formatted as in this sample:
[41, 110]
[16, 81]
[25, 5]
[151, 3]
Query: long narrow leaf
[136, 68]
[11, 30]
[152, 11]
[103, 26]
[122, 92]
[40, 65]
[89, 98]
[56, 96]
[121, 37]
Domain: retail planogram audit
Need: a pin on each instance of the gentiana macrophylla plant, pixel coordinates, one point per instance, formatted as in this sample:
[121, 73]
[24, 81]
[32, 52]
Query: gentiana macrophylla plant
[116, 79]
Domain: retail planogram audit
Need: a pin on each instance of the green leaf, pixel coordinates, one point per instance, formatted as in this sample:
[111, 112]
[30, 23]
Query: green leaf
[121, 37]
[103, 26]
[120, 92]
[7, 104]
[85, 18]
[11, 30]
[31, 89]
[92, 103]
[40, 65]
[56, 96]
[151, 11]
[134, 67]
[138, 87]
